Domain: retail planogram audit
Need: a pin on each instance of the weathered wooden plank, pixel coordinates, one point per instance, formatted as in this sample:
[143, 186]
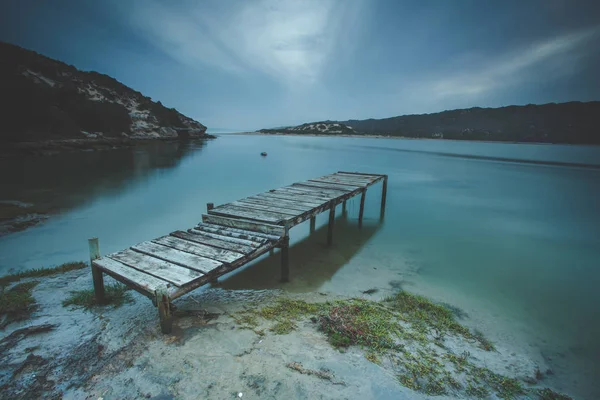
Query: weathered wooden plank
[328, 186]
[332, 194]
[188, 260]
[199, 249]
[356, 178]
[271, 208]
[142, 282]
[306, 193]
[338, 181]
[359, 178]
[246, 225]
[287, 196]
[361, 174]
[225, 238]
[225, 268]
[324, 194]
[291, 204]
[345, 180]
[164, 270]
[210, 241]
[256, 215]
[237, 233]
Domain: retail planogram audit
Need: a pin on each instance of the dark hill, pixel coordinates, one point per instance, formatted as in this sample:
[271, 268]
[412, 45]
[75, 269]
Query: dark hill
[44, 99]
[573, 122]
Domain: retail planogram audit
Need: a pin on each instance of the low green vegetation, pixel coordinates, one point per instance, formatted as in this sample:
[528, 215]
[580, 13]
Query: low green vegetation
[548, 394]
[41, 272]
[115, 295]
[17, 303]
[404, 332]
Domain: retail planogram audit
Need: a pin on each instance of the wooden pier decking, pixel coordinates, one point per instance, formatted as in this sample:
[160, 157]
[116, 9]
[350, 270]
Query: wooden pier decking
[229, 236]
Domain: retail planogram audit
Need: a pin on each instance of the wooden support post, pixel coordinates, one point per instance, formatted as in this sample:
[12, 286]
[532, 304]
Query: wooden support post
[285, 262]
[272, 252]
[313, 222]
[383, 196]
[163, 303]
[210, 206]
[362, 208]
[344, 211]
[96, 272]
[330, 225]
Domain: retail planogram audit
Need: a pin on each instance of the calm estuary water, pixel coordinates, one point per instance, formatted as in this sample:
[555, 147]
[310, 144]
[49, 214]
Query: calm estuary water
[515, 245]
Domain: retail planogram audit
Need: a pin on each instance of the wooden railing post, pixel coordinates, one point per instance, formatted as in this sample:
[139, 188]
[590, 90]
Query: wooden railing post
[383, 196]
[96, 272]
[210, 206]
[362, 208]
[330, 225]
[285, 262]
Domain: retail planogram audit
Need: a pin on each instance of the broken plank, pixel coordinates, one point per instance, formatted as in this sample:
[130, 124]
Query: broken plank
[140, 281]
[198, 249]
[192, 261]
[159, 268]
[237, 233]
[246, 225]
[210, 241]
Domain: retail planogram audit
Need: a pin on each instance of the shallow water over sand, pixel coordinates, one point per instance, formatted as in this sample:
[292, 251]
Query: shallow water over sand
[515, 245]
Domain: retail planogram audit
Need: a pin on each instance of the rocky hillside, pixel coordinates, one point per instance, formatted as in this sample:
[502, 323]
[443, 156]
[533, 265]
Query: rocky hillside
[573, 122]
[315, 128]
[44, 99]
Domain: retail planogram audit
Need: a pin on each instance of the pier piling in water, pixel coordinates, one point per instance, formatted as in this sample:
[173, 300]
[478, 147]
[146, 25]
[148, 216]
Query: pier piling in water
[330, 225]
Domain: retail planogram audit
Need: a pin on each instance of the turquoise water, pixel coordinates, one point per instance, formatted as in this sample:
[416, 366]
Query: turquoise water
[515, 245]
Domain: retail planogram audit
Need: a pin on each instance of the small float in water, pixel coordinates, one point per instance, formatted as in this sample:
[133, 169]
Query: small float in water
[264, 154]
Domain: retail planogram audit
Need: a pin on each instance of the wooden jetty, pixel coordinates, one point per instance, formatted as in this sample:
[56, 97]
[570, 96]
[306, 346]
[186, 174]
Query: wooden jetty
[229, 236]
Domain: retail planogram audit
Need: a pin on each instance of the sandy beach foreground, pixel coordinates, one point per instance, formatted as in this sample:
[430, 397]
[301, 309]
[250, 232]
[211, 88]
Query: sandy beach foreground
[252, 344]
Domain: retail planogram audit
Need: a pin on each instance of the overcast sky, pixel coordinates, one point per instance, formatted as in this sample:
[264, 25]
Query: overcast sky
[249, 64]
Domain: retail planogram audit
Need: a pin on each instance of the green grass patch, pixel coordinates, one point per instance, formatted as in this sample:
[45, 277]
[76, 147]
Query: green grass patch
[115, 295]
[360, 322]
[17, 303]
[406, 329]
[433, 319]
[41, 272]
[283, 327]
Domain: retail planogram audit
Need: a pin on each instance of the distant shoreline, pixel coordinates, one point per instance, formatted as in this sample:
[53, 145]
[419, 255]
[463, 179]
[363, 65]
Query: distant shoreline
[377, 136]
[51, 147]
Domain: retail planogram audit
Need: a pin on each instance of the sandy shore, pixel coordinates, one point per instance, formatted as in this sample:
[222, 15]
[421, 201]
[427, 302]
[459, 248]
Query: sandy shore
[120, 353]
